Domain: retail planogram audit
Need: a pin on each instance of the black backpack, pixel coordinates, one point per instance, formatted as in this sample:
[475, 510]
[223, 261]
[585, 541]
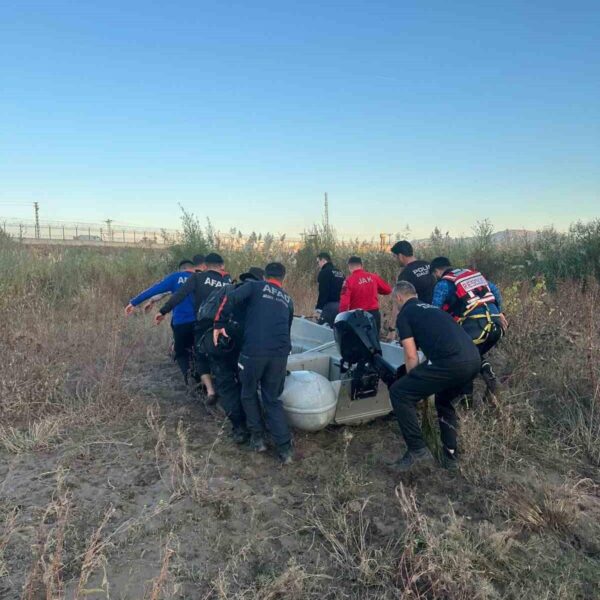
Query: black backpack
[208, 309]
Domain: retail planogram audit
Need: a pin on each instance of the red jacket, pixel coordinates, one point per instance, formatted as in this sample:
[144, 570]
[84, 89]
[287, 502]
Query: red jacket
[360, 291]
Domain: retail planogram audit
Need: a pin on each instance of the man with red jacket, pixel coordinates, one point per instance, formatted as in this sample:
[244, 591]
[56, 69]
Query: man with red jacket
[361, 288]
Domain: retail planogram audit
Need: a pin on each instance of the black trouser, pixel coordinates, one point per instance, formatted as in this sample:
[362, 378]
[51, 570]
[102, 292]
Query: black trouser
[475, 327]
[225, 372]
[447, 381]
[270, 373]
[183, 346]
[201, 362]
[329, 313]
[377, 316]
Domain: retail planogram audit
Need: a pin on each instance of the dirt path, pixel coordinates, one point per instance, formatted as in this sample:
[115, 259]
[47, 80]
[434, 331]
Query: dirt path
[188, 514]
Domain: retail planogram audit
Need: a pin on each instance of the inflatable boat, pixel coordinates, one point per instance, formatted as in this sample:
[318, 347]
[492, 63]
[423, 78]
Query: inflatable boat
[321, 390]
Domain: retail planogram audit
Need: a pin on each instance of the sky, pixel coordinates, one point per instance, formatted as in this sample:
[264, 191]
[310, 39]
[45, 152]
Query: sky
[404, 112]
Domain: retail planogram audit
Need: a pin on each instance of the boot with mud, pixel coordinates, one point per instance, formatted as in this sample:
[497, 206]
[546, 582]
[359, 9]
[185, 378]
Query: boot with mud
[285, 454]
[413, 459]
[240, 435]
[257, 443]
[450, 459]
[488, 375]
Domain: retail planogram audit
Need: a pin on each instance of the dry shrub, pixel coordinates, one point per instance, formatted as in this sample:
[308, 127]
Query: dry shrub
[38, 435]
[46, 573]
[446, 559]
[162, 586]
[61, 373]
[493, 438]
[187, 474]
[547, 511]
[346, 532]
[8, 528]
[293, 583]
[94, 558]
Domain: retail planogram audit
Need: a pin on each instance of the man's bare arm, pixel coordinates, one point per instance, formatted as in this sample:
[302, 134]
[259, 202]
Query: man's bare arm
[411, 355]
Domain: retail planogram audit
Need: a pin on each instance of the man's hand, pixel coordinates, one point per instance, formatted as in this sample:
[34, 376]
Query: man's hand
[149, 305]
[391, 336]
[317, 313]
[159, 318]
[217, 333]
[129, 309]
[503, 322]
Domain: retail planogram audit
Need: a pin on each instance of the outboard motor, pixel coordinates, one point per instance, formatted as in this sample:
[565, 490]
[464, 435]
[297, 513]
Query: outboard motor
[357, 340]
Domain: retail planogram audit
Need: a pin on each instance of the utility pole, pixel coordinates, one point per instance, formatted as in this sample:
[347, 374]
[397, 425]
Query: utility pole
[382, 241]
[108, 228]
[326, 213]
[36, 210]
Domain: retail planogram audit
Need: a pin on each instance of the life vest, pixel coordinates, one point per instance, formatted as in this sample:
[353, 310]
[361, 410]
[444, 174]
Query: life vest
[471, 290]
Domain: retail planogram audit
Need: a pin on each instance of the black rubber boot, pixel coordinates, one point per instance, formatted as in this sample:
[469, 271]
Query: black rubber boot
[488, 375]
[450, 459]
[414, 458]
[240, 435]
[257, 443]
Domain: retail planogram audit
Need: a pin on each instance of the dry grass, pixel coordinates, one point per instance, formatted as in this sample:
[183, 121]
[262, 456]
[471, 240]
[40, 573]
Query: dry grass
[183, 472]
[520, 521]
[8, 528]
[46, 573]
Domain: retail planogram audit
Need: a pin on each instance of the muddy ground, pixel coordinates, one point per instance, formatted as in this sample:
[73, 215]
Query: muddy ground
[161, 504]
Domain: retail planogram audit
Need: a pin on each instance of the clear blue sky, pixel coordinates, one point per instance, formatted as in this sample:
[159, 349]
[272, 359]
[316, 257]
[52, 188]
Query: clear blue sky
[414, 112]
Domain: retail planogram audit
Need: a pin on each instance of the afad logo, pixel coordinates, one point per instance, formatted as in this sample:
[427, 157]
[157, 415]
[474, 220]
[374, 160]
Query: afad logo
[213, 282]
[276, 292]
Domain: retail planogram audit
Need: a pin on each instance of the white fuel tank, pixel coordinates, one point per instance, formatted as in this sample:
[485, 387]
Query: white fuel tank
[309, 400]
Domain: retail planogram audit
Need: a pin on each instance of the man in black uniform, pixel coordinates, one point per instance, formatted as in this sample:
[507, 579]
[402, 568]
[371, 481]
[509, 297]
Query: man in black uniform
[414, 271]
[266, 344]
[200, 285]
[224, 356]
[330, 282]
[452, 363]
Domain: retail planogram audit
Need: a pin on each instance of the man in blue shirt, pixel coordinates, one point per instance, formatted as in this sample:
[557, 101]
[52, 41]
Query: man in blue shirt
[184, 316]
[476, 304]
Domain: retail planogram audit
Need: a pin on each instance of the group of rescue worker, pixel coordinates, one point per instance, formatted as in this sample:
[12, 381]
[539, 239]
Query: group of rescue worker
[232, 338]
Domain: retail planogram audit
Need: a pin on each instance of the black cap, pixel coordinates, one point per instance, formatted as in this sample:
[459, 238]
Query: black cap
[441, 262]
[275, 269]
[255, 273]
[198, 259]
[213, 259]
[185, 261]
[405, 248]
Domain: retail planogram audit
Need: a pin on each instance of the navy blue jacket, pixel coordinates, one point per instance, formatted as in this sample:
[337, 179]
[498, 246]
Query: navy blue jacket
[200, 285]
[184, 311]
[269, 315]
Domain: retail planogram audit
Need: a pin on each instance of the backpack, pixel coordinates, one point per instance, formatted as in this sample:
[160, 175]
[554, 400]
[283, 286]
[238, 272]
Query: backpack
[209, 308]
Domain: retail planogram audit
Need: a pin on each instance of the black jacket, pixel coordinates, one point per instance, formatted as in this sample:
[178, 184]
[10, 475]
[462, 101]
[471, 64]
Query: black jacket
[418, 273]
[269, 315]
[200, 284]
[330, 282]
